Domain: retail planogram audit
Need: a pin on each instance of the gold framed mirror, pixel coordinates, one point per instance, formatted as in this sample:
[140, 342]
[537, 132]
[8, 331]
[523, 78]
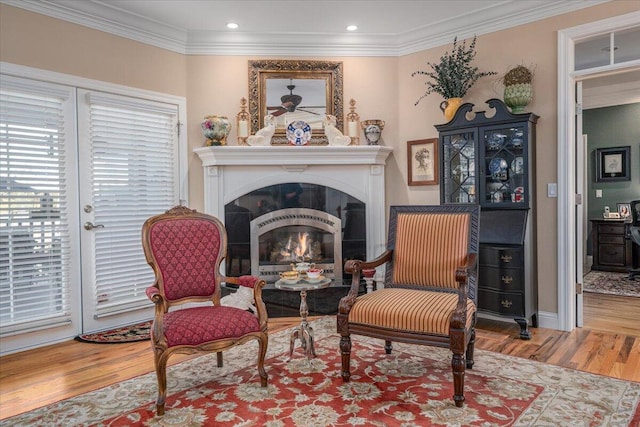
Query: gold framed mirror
[294, 90]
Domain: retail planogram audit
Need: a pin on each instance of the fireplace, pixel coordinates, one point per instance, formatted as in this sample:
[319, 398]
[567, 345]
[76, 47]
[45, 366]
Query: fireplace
[286, 236]
[266, 233]
[245, 185]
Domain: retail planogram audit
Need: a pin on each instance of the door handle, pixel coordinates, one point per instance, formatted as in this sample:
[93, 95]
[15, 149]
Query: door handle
[90, 226]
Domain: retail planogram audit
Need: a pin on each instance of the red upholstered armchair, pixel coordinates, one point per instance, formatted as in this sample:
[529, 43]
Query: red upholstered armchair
[185, 249]
[429, 294]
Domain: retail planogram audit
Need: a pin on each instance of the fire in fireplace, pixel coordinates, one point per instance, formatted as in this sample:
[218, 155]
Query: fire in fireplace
[291, 247]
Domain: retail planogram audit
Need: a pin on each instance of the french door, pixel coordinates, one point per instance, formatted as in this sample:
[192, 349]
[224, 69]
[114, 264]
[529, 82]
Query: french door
[80, 171]
[128, 172]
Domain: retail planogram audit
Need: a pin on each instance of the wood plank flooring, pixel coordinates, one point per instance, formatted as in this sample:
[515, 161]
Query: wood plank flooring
[36, 378]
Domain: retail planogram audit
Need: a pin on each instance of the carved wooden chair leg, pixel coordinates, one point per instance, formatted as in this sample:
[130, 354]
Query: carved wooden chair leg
[457, 364]
[261, 356]
[470, 349]
[388, 347]
[345, 350]
[161, 374]
[219, 357]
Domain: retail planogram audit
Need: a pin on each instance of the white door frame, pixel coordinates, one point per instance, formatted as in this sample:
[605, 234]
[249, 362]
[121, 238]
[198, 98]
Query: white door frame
[567, 77]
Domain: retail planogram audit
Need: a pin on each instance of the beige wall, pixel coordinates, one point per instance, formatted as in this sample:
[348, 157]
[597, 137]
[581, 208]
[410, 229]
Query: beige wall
[51, 44]
[382, 87]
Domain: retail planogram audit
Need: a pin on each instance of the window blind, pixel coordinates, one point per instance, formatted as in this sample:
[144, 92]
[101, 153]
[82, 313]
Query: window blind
[134, 160]
[34, 227]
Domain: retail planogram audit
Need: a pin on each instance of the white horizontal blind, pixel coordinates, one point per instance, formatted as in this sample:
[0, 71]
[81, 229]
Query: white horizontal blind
[34, 225]
[134, 161]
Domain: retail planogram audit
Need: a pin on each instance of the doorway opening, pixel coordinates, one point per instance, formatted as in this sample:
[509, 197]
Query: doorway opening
[570, 306]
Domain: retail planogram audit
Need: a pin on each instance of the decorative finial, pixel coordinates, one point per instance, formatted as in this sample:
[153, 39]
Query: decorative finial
[353, 125]
[243, 118]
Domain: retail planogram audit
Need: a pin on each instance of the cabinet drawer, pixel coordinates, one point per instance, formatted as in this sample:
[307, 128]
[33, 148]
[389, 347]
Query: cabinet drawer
[611, 229]
[609, 238]
[501, 256]
[611, 255]
[503, 303]
[501, 279]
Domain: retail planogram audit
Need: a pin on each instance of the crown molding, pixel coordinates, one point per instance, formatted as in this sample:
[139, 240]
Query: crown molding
[99, 16]
[484, 21]
[110, 20]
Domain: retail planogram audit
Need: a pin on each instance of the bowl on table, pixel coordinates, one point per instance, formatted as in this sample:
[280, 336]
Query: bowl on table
[290, 277]
[315, 274]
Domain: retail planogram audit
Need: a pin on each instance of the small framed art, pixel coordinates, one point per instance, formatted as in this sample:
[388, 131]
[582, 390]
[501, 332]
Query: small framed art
[422, 161]
[624, 209]
[613, 164]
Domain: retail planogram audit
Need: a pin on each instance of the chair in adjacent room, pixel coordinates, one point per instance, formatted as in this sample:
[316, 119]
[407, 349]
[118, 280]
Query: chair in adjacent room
[429, 295]
[185, 249]
[634, 235]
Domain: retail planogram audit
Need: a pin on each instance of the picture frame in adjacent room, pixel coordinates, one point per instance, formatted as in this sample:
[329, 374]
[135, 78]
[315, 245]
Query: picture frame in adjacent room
[624, 209]
[613, 164]
[422, 161]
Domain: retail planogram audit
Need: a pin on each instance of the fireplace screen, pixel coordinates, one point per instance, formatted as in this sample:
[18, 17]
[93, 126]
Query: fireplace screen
[287, 236]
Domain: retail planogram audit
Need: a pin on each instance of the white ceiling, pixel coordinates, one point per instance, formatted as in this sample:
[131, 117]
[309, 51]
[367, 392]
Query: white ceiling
[302, 27]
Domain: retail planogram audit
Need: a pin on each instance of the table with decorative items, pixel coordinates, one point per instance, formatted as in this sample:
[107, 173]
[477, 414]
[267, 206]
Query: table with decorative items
[303, 278]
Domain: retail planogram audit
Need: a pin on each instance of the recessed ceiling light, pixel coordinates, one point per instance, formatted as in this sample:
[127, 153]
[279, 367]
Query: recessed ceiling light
[232, 25]
[352, 27]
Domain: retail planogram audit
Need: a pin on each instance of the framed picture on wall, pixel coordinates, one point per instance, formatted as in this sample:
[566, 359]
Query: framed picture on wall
[624, 209]
[422, 161]
[613, 164]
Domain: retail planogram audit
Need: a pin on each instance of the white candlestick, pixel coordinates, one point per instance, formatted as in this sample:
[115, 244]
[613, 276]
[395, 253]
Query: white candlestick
[243, 129]
[353, 129]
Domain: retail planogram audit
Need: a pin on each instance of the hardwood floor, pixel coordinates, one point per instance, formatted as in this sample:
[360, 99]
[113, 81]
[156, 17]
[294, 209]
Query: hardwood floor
[612, 313]
[36, 378]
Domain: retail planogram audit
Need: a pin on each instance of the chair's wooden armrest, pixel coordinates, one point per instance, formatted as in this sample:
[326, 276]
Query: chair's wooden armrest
[154, 295]
[246, 281]
[355, 267]
[459, 318]
[462, 273]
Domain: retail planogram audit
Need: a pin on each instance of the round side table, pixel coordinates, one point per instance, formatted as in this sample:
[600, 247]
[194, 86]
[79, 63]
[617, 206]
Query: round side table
[304, 332]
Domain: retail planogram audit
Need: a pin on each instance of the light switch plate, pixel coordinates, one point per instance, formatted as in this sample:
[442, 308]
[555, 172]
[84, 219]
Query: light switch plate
[598, 194]
[552, 189]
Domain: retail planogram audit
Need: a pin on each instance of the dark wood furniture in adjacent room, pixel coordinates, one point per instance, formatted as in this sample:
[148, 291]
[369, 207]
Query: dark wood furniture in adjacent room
[612, 249]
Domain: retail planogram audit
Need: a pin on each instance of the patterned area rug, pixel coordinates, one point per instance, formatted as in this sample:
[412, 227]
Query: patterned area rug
[604, 282]
[410, 388]
[133, 333]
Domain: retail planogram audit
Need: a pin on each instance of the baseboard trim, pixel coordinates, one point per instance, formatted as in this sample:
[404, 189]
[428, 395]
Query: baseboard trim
[548, 320]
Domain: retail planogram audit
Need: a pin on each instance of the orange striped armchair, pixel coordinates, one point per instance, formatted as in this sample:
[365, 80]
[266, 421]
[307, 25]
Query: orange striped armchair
[429, 295]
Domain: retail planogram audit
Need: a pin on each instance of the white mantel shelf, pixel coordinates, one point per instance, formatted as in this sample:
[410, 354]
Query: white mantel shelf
[290, 155]
[359, 170]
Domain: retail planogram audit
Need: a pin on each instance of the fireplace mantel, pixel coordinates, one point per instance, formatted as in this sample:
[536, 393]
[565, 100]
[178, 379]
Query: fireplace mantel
[233, 171]
[290, 155]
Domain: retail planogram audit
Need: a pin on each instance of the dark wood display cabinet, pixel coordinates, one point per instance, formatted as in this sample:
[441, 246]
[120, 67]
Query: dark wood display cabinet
[612, 250]
[487, 158]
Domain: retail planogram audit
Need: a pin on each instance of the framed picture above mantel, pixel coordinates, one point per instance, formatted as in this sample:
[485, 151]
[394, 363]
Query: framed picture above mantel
[295, 91]
[613, 164]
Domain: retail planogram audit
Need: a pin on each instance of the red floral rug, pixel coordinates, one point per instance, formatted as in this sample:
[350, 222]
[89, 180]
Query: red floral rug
[133, 333]
[411, 387]
[395, 390]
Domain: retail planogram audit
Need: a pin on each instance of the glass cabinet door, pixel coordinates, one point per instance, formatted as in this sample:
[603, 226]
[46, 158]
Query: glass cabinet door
[459, 171]
[504, 182]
